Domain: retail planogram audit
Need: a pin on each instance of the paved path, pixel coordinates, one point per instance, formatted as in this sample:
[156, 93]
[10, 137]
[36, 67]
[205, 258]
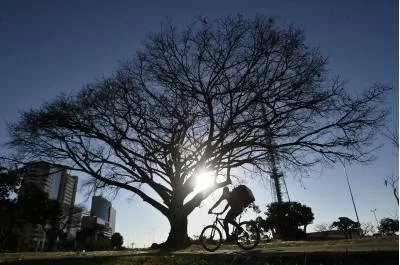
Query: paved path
[309, 247]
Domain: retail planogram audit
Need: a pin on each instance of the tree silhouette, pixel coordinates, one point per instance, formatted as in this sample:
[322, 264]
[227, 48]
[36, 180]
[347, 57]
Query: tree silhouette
[9, 187]
[216, 96]
[117, 240]
[388, 226]
[346, 225]
[10, 182]
[284, 219]
[63, 218]
[393, 182]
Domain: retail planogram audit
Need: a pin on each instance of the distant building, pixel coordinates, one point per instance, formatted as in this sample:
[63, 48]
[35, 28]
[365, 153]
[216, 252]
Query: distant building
[59, 185]
[103, 209]
[53, 179]
[97, 229]
[100, 208]
[111, 219]
[102, 218]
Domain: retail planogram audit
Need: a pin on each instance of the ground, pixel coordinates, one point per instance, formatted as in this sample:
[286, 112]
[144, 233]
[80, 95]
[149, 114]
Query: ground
[380, 251]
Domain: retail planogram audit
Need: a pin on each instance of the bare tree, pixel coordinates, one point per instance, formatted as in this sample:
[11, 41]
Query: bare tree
[321, 227]
[69, 217]
[393, 182]
[216, 96]
[392, 134]
[367, 229]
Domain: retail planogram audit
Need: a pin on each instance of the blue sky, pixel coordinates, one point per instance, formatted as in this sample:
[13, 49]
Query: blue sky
[53, 47]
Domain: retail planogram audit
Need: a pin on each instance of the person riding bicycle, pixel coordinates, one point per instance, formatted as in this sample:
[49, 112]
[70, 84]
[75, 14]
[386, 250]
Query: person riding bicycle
[237, 207]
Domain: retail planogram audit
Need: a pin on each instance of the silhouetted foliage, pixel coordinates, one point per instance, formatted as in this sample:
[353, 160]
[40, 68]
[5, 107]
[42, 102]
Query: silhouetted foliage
[9, 186]
[347, 226]
[117, 240]
[35, 206]
[214, 96]
[263, 228]
[63, 218]
[23, 207]
[284, 220]
[9, 183]
[388, 226]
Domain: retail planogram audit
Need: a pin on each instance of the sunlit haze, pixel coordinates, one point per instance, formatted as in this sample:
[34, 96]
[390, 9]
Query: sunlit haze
[204, 180]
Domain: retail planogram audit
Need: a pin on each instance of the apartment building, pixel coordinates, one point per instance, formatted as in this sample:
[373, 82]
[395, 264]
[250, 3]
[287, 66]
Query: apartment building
[56, 181]
[53, 179]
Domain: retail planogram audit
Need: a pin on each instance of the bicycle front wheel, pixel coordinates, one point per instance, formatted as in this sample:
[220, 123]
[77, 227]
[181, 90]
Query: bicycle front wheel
[249, 236]
[211, 238]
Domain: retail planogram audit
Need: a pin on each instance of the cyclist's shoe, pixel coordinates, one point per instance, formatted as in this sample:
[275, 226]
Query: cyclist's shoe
[230, 239]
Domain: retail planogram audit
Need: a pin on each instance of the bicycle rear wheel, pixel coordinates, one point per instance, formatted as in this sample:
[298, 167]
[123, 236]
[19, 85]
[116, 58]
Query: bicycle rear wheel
[211, 238]
[249, 236]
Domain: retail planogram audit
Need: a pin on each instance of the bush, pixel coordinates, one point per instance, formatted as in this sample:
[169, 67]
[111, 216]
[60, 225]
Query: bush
[116, 241]
[388, 226]
[285, 219]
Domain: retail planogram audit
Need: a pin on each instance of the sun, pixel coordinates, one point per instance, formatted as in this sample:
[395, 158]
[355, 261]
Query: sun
[204, 180]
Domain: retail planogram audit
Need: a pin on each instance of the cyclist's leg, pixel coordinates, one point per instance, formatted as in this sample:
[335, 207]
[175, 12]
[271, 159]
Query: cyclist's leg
[226, 222]
[230, 218]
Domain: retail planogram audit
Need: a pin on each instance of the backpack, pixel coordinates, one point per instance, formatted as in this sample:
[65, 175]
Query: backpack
[243, 194]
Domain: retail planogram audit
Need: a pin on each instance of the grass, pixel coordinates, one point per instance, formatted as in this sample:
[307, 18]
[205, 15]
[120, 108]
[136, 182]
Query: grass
[266, 254]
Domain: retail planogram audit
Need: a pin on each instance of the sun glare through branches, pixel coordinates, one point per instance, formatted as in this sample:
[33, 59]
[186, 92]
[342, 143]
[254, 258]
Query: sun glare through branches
[204, 179]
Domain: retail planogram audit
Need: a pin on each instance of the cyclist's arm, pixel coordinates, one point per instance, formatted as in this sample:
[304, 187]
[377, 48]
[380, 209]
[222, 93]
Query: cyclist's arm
[226, 207]
[217, 203]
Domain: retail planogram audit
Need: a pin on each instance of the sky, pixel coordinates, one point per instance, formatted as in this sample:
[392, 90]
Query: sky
[53, 47]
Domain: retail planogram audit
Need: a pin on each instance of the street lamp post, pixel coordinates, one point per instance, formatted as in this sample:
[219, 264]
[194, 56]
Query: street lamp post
[376, 219]
[351, 194]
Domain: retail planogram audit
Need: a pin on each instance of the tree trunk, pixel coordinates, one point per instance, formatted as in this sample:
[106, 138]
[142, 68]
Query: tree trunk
[178, 237]
[52, 238]
[5, 235]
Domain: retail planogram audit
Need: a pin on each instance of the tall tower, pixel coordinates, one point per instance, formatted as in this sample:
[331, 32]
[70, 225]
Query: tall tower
[278, 185]
[277, 180]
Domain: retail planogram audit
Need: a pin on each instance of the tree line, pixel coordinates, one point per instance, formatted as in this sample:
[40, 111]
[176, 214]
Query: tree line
[289, 221]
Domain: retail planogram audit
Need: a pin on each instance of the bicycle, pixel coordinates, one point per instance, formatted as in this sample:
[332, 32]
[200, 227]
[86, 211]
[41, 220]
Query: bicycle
[246, 236]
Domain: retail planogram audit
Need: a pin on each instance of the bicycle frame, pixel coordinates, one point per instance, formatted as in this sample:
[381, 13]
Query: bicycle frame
[220, 221]
[211, 236]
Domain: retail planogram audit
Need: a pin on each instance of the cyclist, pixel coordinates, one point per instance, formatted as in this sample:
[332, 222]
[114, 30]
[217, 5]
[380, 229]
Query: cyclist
[236, 208]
